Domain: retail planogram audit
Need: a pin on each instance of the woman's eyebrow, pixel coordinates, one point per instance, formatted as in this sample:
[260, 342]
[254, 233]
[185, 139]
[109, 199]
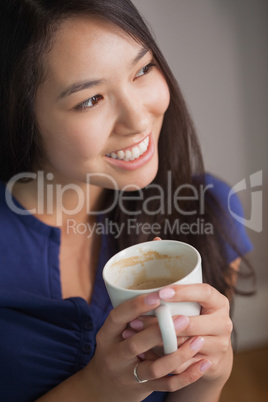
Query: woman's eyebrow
[82, 85]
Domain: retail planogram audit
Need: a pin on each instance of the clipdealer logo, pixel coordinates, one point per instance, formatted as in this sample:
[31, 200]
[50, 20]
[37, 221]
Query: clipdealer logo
[255, 220]
[51, 196]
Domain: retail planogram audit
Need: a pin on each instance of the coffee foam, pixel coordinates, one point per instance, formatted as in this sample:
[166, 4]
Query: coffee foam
[145, 257]
[132, 270]
[144, 283]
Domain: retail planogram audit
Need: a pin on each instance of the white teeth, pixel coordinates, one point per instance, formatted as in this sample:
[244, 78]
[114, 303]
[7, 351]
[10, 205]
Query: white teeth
[121, 154]
[135, 152]
[142, 147]
[132, 154]
[128, 155]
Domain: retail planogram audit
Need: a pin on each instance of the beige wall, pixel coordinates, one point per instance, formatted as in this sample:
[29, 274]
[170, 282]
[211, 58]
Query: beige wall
[218, 52]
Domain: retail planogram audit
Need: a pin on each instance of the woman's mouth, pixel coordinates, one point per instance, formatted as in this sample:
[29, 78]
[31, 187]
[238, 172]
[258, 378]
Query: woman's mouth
[134, 157]
[132, 153]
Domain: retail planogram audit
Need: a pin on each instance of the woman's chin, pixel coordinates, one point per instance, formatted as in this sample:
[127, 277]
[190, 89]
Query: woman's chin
[139, 182]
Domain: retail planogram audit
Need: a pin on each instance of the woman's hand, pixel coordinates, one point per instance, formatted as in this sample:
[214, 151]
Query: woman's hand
[216, 327]
[110, 374]
[213, 324]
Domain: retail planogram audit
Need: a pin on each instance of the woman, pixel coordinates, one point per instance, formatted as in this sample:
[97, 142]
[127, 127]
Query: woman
[94, 136]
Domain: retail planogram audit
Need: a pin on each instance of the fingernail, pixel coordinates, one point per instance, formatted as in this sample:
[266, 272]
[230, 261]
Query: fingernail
[166, 293]
[205, 366]
[197, 343]
[151, 299]
[127, 334]
[181, 322]
[141, 356]
[136, 324]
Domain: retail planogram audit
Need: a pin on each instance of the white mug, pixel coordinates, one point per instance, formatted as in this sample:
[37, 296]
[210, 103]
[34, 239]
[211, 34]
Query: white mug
[155, 264]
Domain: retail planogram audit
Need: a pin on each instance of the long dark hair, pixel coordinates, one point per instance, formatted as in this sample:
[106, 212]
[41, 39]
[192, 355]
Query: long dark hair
[27, 30]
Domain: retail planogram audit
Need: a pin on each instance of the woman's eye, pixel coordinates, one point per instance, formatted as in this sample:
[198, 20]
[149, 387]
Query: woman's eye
[145, 70]
[90, 103]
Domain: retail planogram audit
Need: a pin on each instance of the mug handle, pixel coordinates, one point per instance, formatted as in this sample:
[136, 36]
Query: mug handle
[167, 328]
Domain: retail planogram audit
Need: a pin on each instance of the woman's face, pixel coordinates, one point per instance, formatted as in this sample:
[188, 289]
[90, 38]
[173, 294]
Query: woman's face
[101, 107]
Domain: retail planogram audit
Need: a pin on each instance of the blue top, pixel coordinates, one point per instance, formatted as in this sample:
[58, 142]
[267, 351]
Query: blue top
[44, 339]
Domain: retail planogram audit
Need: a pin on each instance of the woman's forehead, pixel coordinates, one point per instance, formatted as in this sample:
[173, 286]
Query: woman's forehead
[91, 40]
[90, 48]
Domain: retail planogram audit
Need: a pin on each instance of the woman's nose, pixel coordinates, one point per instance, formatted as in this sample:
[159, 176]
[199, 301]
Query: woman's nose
[132, 117]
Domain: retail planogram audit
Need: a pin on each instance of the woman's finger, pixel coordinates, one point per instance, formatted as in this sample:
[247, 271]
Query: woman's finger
[119, 317]
[144, 322]
[157, 350]
[210, 324]
[215, 345]
[165, 365]
[175, 382]
[203, 325]
[137, 343]
[180, 369]
[209, 298]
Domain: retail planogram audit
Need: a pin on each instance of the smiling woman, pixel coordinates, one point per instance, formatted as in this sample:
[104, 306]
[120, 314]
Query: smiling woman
[97, 136]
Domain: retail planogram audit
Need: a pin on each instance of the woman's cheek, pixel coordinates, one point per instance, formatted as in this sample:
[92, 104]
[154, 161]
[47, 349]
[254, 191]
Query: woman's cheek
[85, 135]
[165, 95]
[160, 96]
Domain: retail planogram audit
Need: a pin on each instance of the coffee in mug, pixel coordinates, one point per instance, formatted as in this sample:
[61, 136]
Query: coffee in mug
[158, 282]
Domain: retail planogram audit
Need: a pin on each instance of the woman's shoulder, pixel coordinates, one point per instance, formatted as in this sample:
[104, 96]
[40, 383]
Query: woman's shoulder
[217, 186]
[222, 192]
[231, 213]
